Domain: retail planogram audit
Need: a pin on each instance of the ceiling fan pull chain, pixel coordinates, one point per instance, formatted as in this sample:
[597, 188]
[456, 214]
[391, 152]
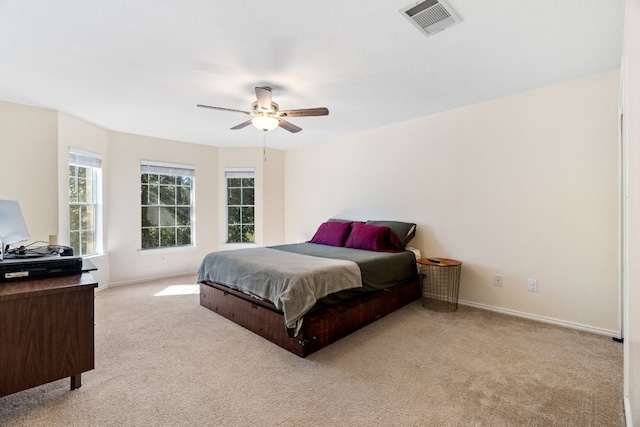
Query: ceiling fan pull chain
[264, 146]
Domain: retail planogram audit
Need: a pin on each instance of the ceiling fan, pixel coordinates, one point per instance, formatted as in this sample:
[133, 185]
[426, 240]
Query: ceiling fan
[267, 116]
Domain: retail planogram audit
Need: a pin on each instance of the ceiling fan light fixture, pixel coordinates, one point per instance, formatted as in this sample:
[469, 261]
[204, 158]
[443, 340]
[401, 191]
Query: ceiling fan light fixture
[265, 123]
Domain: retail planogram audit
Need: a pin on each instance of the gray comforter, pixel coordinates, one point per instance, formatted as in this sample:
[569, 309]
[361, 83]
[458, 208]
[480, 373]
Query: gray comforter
[379, 270]
[293, 282]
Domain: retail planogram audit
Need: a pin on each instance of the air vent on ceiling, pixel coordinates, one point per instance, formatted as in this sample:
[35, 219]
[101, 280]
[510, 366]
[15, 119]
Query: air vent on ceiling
[431, 16]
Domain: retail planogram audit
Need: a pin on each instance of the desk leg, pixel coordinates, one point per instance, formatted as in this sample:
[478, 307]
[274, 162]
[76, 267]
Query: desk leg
[76, 381]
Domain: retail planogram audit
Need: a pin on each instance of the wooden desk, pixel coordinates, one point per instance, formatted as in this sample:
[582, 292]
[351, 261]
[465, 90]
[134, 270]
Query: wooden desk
[46, 331]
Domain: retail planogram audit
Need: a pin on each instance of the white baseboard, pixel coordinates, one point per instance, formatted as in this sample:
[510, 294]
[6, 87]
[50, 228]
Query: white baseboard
[566, 324]
[147, 279]
[627, 412]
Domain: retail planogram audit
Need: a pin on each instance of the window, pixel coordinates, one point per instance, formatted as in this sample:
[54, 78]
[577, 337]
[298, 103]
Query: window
[84, 201]
[167, 205]
[240, 206]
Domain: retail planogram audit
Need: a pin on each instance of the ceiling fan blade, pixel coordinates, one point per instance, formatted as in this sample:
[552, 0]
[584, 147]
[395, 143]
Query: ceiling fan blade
[223, 109]
[305, 112]
[288, 126]
[263, 96]
[242, 125]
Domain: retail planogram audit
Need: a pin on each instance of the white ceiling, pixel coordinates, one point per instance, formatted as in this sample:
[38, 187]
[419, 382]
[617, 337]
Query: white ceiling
[141, 66]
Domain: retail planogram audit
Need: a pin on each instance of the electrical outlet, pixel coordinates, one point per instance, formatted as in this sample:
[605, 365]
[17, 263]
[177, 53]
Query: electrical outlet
[497, 280]
[163, 258]
[532, 285]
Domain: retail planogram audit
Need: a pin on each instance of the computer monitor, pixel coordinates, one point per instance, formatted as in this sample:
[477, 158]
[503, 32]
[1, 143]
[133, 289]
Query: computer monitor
[12, 226]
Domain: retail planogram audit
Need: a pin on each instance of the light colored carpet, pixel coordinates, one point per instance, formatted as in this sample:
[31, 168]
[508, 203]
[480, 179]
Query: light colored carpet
[163, 360]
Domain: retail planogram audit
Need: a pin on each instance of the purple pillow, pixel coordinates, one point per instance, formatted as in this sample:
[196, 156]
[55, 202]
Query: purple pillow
[372, 238]
[332, 233]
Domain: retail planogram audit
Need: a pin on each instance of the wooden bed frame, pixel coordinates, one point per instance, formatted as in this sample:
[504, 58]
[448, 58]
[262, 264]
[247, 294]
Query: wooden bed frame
[320, 328]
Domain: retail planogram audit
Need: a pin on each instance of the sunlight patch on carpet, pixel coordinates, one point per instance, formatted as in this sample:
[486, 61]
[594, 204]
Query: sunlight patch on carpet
[178, 290]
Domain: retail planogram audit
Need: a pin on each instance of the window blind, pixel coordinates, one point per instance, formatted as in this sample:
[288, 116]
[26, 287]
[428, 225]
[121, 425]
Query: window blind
[167, 169]
[88, 160]
[239, 174]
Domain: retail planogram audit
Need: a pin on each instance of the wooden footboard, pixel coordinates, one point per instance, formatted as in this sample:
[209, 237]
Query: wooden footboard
[320, 328]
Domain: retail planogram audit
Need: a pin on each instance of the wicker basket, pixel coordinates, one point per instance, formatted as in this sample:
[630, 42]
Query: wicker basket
[440, 283]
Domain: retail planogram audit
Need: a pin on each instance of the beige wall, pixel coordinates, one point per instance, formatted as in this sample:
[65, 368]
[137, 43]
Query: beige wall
[78, 134]
[29, 149]
[524, 186]
[35, 147]
[127, 261]
[631, 54]
[273, 198]
[269, 192]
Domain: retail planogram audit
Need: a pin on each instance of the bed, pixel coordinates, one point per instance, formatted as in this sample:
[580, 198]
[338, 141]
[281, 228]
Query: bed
[305, 296]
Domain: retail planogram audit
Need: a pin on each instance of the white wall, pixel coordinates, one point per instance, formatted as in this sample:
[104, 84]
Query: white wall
[631, 52]
[524, 186]
[29, 149]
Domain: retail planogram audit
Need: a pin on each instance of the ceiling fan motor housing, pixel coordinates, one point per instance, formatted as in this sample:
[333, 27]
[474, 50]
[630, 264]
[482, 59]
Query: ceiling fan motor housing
[260, 110]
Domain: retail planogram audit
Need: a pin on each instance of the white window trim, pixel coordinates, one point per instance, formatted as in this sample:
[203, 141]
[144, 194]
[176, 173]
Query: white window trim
[237, 173]
[176, 169]
[93, 160]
